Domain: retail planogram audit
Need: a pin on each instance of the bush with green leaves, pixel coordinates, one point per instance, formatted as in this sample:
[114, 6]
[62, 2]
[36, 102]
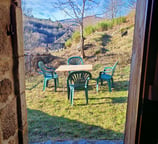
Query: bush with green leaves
[104, 26]
[68, 43]
[126, 28]
[123, 30]
[89, 30]
[76, 37]
[101, 26]
[119, 20]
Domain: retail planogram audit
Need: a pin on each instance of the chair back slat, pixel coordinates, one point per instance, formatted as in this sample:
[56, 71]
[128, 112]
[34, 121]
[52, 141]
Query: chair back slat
[113, 68]
[44, 70]
[79, 77]
[48, 74]
[41, 65]
[76, 60]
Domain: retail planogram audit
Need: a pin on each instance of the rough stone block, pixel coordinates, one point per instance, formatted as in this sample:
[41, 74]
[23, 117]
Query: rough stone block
[4, 66]
[5, 90]
[13, 140]
[5, 41]
[23, 109]
[20, 41]
[5, 2]
[25, 134]
[21, 74]
[0, 137]
[8, 117]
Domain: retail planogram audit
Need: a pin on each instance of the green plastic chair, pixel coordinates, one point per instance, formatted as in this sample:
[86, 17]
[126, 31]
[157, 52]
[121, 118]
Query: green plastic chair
[78, 80]
[75, 60]
[107, 75]
[48, 73]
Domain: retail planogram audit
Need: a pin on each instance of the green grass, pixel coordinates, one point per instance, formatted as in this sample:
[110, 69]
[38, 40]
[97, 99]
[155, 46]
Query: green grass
[50, 115]
[76, 36]
[109, 24]
[68, 43]
[100, 27]
[119, 20]
[89, 30]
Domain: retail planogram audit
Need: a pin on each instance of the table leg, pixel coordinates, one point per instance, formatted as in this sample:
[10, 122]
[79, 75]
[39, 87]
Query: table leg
[64, 82]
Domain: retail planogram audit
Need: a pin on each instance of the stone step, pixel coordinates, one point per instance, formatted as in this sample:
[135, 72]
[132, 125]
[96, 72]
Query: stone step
[82, 142]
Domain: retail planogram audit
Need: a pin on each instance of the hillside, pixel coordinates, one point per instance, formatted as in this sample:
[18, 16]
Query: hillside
[106, 47]
[101, 48]
[43, 33]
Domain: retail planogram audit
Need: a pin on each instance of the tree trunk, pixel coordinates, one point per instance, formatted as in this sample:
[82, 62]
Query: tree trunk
[82, 40]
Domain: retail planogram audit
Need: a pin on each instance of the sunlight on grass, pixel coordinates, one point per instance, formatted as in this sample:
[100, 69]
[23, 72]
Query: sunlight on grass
[50, 115]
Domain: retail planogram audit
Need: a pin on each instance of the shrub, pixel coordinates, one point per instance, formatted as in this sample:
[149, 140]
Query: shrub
[110, 24]
[131, 26]
[126, 28]
[119, 20]
[123, 30]
[89, 30]
[97, 52]
[76, 37]
[68, 43]
[60, 25]
[104, 26]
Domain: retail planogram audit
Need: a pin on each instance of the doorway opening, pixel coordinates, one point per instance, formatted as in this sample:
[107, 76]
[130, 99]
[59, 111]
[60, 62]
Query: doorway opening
[50, 115]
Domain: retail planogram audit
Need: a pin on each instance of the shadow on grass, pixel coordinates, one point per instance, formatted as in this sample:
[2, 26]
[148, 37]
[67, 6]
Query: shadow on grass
[118, 99]
[44, 127]
[104, 39]
[90, 57]
[118, 86]
[90, 88]
[87, 46]
[113, 99]
[121, 85]
[35, 85]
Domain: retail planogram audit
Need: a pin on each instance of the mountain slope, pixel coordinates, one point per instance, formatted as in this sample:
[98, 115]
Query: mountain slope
[41, 33]
[104, 48]
[44, 32]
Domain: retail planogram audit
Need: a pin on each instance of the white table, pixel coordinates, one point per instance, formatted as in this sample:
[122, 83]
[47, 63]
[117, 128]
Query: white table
[67, 68]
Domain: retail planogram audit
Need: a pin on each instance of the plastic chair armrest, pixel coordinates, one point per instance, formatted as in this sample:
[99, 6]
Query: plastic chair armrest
[40, 72]
[108, 69]
[50, 68]
[102, 72]
[87, 80]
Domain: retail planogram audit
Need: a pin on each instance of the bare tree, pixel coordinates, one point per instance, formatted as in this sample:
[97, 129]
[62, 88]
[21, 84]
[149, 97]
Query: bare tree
[132, 4]
[112, 8]
[76, 10]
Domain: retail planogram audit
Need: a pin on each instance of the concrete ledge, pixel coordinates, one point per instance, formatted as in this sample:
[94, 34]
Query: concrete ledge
[82, 141]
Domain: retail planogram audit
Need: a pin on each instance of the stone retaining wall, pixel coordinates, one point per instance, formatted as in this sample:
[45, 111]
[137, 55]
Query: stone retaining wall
[13, 116]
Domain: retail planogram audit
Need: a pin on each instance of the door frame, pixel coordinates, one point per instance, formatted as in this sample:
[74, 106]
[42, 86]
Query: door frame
[138, 75]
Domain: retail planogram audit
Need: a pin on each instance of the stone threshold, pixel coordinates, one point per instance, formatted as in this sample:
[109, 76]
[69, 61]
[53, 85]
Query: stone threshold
[82, 141]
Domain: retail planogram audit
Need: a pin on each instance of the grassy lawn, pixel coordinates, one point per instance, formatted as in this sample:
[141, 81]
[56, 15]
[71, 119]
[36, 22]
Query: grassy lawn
[50, 115]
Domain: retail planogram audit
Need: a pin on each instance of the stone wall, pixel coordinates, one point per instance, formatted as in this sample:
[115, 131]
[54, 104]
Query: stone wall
[13, 115]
